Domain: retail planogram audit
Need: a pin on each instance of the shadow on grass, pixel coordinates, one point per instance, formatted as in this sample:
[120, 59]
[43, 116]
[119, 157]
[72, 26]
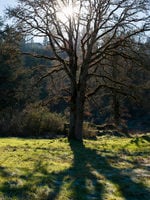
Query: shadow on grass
[84, 180]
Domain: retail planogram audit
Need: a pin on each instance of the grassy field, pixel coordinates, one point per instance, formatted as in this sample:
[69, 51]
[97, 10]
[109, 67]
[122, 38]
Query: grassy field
[109, 168]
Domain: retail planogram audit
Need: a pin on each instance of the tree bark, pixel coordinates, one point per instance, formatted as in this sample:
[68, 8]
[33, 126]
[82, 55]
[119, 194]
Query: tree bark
[72, 115]
[76, 118]
[77, 113]
[116, 109]
[79, 116]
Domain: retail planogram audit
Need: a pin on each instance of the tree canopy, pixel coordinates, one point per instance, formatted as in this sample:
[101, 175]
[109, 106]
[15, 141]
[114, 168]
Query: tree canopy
[81, 35]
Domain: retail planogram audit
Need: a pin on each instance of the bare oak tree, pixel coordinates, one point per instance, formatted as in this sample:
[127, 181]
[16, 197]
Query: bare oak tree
[77, 32]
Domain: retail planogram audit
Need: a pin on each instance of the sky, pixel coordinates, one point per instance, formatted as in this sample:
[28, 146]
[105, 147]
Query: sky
[4, 4]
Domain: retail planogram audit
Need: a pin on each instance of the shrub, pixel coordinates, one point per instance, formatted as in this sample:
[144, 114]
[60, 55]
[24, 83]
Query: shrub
[34, 120]
[5, 119]
[40, 122]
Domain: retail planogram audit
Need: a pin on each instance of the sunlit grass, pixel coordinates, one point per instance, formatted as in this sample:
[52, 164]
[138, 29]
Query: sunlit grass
[109, 168]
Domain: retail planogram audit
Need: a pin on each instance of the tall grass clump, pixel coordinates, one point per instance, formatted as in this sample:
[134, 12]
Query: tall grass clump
[89, 130]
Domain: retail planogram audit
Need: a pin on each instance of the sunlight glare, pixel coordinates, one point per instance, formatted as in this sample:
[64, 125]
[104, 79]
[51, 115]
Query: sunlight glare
[65, 13]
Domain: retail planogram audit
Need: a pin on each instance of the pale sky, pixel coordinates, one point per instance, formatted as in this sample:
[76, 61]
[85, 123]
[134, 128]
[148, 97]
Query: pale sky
[4, 4]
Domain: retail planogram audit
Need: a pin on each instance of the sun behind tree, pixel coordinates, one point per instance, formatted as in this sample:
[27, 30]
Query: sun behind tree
[81, 34]
[67, 11]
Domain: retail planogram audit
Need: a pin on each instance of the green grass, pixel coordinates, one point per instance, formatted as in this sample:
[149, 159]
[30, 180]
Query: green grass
[109, 168]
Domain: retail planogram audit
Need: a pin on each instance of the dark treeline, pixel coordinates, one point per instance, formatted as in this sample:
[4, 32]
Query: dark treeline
[34, 102]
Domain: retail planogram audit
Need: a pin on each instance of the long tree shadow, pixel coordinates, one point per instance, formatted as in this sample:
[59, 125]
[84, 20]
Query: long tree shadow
[85, 179]
[89, 172]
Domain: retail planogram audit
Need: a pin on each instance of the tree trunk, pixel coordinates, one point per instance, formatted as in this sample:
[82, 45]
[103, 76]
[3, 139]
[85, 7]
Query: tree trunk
[116, 109]
[76, 116]
[116, 103]
[79, 117]
[72, 114]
